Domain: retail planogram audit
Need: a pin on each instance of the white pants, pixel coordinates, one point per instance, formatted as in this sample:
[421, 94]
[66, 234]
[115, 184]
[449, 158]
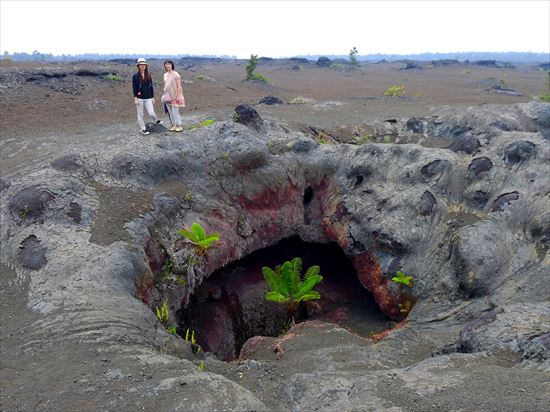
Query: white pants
[175, 117]
[148, 104]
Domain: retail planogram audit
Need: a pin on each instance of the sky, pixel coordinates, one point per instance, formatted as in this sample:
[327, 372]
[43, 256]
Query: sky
[274, 28]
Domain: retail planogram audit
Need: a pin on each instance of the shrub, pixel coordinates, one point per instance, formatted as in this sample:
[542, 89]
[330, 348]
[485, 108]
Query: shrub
[544, 98]
[395, 91]
[112, 77]
[258, 77]
[287, 287]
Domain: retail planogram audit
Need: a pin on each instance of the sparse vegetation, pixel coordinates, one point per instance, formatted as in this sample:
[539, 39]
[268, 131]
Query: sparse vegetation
[301, 100]
[259, 77]
[286, 285]
[405, 308]
[395, 91]
[191, 339]
[544, 98]
[163, 316]
[24, 212]
[205, 77]
[206, 122]
[112, 77]
[366, 138]
[402, 279]
[198, 237]
[167, 268]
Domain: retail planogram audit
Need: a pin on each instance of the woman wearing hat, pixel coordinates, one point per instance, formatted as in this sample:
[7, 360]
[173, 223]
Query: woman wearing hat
[144, 96]
[173, 95]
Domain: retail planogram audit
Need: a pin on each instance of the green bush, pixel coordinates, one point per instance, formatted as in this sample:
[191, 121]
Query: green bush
[259, 77]
[112, 77]
[544, 98]
[395, 91]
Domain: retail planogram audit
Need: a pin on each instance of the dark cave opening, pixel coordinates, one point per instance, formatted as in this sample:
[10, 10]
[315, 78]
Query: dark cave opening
[229, 307]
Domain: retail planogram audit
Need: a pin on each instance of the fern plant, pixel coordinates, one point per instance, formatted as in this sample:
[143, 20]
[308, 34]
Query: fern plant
[198, 237]
[287, 286]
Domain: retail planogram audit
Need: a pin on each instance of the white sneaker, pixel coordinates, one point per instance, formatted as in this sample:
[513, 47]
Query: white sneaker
[144, 131]
[159, 121]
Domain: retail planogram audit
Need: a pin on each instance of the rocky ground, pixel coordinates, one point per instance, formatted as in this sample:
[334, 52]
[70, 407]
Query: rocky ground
[448, 183]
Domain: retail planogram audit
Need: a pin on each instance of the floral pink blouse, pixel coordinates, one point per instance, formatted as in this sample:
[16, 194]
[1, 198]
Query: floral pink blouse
[172, 85]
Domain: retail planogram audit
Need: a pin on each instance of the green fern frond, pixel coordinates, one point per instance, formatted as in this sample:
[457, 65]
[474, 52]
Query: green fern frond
[272, 278]
[276, 297]
[198, 232]
[287, 279]
[206, 243]
[185, 233]
[311, 295]
[308, 285]
[197, 235]
[312, 271]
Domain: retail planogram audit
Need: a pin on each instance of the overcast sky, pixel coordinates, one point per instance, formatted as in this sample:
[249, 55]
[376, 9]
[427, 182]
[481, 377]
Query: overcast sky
[273, 28]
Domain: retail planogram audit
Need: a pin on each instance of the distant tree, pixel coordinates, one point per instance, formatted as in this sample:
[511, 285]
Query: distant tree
[352, 53]
[251, 66]
[250, 70]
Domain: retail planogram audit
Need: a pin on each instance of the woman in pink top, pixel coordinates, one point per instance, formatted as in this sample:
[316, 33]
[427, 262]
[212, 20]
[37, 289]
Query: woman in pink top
[173, 95]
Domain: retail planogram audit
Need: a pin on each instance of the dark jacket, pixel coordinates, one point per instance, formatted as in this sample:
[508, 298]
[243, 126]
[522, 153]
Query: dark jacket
[142, 90]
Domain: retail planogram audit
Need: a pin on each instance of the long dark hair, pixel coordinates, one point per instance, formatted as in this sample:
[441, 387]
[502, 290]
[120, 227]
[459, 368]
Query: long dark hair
[146, 75]
[168, 61]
